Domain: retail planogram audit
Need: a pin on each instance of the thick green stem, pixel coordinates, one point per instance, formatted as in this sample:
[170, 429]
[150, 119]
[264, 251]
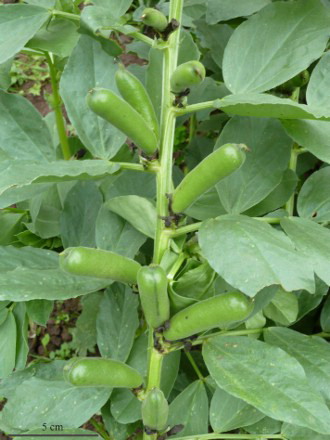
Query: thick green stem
[167, 131]
[164, 179]
[57, 107]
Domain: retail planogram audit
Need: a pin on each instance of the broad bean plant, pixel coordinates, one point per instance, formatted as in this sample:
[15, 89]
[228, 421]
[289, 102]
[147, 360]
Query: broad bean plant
[179, 187]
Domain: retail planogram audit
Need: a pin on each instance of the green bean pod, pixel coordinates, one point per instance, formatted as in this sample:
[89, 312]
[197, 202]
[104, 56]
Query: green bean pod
[123, 116]
[186, 75]
[99, 263]
[155, 19]
[217, 165]
[133, 91]
[218, 311]
[101, 372]
[152, 284]
[155, 410]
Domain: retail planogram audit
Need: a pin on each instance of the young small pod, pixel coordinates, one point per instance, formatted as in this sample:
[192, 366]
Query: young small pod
[217, 165]
[101, 372]
[155, 19]
[152, 284]
[186, 75]
[155, 410]
[123, 116]
[99, 263]
[218, 311]
[133, 91]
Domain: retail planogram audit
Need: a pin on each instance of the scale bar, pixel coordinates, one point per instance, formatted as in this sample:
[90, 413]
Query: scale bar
[53, 435]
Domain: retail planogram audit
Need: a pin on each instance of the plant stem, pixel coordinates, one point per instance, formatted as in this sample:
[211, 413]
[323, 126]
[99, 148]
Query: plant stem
[185, 229]
[289, 206]
[142, 37]
[176, 266]
[99, 428]
[203, 338]
[194, 365]
[215, 436]
[135, 167]
[67, 15]
[57, 107]
[322, 335]
[164, 179]
[194, 108]
[196, 226]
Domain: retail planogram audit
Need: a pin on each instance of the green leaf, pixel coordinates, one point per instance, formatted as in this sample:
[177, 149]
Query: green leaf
[317, 93]
[283, 308]
[87, 67]
[115, 336]
[78, 218]
[312, 135]
[129, 183]
[190, 408]
[267, 378]
[43, 3]
[8, 334]
[293, 432]
[59, 37]
[22, 346]
[314, 198]
[312, 353]
[84, 333]
[278, 197]
[275, 44]
[266, 426]
[228, 412]
[24, 134]
[253, 255]
[125, 407]
[138, 211]
[5, 78]
[45, 210]
[195, 282]
[18, 23]
[42, 396]
[223, 10]
[308, 302]
[39, 310]
[263, 168]
[325, 316]
[206, 206]
[10, 224]
[20, 180]
[31, 273]
[116, 430]
[214, 38]
[188, 49]
[154, 79]
[264, 105]
[115, 234]
[312, 241]
[117, 7]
